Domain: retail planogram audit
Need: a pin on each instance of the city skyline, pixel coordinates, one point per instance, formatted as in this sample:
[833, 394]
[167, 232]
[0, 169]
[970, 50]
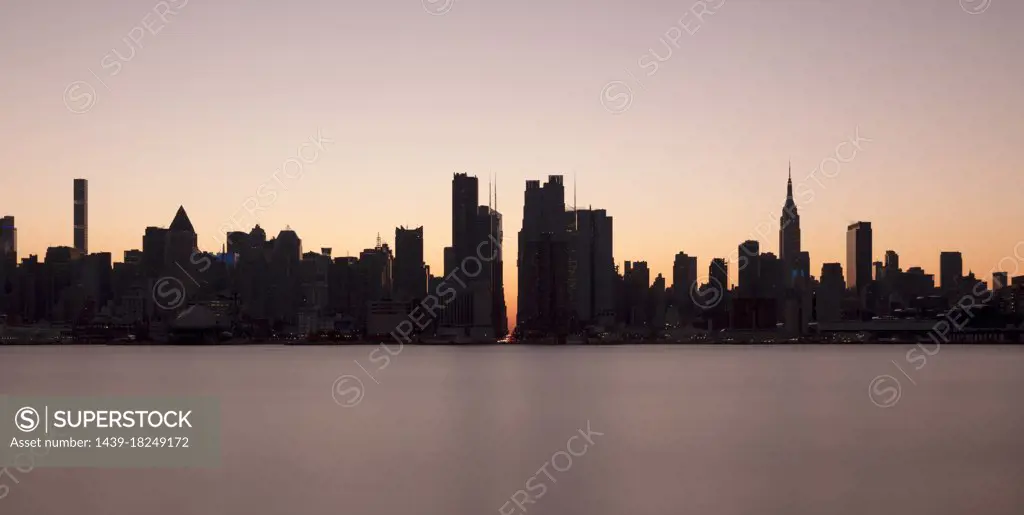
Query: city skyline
[550, 210]
[695, 164]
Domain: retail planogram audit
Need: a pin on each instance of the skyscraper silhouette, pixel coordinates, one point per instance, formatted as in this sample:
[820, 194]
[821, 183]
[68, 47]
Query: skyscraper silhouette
[593, 285]
[181, 241]
[8, 239]
[8, 262]
[410, 271]
[458, 313]
[892, 261]
[542, 248]
[718, 272]
[476, 311]
[749, 268]
[951, 269]
[684, 283]
[636, 279]
[858, 256]
[81, 215]
[830, 293]
[789, 235]
[465, 194]
[490, 318]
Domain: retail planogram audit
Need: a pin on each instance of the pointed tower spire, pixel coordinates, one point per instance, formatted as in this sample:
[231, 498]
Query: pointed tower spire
[789, 183]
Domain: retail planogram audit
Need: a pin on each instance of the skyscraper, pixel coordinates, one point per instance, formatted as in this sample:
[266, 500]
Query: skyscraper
[8, 239]
[465, 194]
[718, 272]
[181, 241]
[546, 282]
[81, 215]
[544, 220]
[491, 253]
[490, 318]
[8, 261]
[377, 264]
[749, 268]
[475, 311]
[637, 283]
[592, 266]
[789, 235]
[858, 256]
[769, 282]
[951, 269]
[656, 303]
[830, 293]
[154, 249]
[684, 282]
[410, 271]
[892, 261]
[458, 312]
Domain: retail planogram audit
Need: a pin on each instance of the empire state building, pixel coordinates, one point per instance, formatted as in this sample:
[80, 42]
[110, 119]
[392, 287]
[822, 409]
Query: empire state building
[789, 234]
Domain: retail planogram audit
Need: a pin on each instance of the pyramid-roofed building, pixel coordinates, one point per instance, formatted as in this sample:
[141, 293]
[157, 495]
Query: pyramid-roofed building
[181, 222]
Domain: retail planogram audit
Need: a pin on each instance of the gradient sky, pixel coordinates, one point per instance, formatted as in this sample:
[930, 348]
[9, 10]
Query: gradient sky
[209, 107]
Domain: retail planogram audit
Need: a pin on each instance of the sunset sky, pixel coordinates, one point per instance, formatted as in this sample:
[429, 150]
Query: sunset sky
[199, 103]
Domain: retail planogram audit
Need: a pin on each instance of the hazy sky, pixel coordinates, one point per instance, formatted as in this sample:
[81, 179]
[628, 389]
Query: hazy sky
[200, 102]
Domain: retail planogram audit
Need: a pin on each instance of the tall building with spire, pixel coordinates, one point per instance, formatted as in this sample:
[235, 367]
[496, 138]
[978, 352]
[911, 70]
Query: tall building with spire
[789, 235]
[477, 310]
[591, 266]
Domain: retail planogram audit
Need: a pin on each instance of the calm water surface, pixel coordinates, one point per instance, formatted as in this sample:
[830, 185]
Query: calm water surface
[458, 431]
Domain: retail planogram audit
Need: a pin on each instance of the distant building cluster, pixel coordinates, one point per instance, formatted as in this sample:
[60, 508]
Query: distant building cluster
[569, 283]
